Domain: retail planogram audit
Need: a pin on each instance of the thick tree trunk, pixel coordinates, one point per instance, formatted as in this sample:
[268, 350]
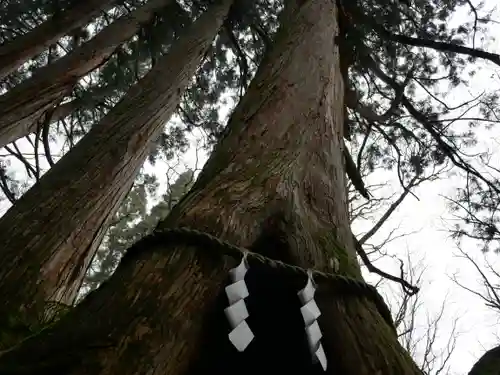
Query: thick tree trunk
[24, 47]
[21, 107]
[276, 185]
[49, 236]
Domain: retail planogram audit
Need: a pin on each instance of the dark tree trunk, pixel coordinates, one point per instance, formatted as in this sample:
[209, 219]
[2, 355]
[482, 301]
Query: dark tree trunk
[24, 47]
[21, 107]
[49, 236]
[275, 185]
[488, 364]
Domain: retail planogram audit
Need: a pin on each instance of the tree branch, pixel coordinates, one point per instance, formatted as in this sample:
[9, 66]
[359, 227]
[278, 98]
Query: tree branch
[442, 46]
[407, 287]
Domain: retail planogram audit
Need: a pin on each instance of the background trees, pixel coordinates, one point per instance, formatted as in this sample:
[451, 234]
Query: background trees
[132, 222]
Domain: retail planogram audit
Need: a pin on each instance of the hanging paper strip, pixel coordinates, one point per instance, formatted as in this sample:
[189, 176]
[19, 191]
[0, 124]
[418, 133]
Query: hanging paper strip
[241, 335]
[310, 313]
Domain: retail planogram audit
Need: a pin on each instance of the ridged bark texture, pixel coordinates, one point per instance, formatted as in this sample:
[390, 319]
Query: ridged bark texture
[21, 107]
[275, 185]
[49, 236]
[13, 54]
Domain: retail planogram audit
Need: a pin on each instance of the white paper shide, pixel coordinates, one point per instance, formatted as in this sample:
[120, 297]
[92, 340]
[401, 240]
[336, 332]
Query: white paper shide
[241, 335]
[310, 313]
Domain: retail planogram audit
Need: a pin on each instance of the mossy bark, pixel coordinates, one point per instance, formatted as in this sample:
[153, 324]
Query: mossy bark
[22, 106]
[274, 184]
[14, 53]
[49, 236]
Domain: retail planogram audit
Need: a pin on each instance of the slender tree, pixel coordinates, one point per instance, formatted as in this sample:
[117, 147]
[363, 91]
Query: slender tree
[24, 47]
[274, 184]
[43, 256]
[22, 106]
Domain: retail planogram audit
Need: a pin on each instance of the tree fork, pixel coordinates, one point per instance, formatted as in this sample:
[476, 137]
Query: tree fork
[274, 184]
[43, 253]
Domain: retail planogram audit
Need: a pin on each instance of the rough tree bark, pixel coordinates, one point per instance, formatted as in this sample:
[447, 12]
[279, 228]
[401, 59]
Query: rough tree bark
[21, 107]
[49, 236]
[13, 54]
[275, 184]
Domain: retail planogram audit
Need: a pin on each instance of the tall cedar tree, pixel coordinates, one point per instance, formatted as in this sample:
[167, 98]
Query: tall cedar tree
[23, 105]
[24, 47]
[44, 252]
[274, 184]
[123, 233]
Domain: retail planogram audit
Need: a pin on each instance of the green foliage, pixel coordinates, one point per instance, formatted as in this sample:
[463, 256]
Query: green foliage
[372, 33]
[477, 207]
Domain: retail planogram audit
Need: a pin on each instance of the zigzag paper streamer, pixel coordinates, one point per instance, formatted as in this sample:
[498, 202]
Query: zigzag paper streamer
[241, 335]
[310, 313]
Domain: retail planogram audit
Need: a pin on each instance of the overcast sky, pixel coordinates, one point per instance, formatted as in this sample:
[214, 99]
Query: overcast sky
[430, 245]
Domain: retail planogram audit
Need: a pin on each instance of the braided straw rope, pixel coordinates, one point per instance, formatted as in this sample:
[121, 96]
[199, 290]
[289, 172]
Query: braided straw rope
[343, 283]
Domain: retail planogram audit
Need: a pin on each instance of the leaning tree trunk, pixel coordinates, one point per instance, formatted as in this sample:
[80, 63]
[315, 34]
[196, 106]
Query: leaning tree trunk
[14, 53]
[21, 107]
[275, 185]
[49, 236]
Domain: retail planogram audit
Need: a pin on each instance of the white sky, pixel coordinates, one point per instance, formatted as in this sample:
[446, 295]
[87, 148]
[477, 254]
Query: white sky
[430, 244]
